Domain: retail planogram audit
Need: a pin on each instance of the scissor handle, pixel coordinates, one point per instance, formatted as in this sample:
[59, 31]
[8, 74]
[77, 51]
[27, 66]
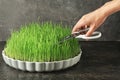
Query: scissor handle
[95, 35]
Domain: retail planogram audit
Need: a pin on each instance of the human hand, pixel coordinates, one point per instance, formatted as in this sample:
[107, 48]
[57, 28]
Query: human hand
[92, 20]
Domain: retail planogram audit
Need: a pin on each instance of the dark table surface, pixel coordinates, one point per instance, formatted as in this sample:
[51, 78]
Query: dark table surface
[99, 61]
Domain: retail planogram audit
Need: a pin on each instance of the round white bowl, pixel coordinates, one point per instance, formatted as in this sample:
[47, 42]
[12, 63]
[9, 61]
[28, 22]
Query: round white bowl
[40, 66]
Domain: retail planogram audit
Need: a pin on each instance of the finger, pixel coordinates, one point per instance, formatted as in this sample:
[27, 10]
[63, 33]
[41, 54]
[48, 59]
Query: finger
[78, 26]
[85, 28]
[91, 30]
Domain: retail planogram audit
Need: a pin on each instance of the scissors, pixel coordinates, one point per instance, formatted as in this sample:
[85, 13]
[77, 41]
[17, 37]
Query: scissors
[78, 35]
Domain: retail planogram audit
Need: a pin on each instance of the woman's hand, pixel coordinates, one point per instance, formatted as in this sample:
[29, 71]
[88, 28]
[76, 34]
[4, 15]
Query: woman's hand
[92, 20]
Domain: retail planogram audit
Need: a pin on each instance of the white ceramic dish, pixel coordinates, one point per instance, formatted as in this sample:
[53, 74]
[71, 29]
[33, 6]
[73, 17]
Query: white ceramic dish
[40, 66]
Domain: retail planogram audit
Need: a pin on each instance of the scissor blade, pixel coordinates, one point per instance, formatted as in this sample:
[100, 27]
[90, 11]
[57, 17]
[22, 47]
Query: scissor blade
[66, 38]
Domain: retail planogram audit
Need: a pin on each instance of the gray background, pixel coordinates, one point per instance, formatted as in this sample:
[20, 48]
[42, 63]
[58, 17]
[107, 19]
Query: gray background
[14, 13]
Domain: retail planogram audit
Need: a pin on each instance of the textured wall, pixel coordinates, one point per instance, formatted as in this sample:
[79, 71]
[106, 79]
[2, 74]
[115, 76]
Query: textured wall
[14, 13]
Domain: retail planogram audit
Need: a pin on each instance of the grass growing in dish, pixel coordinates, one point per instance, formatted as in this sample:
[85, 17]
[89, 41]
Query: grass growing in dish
[40, 43]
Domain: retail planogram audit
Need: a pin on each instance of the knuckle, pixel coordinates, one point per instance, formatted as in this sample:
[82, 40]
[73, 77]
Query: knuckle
[84, 17]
